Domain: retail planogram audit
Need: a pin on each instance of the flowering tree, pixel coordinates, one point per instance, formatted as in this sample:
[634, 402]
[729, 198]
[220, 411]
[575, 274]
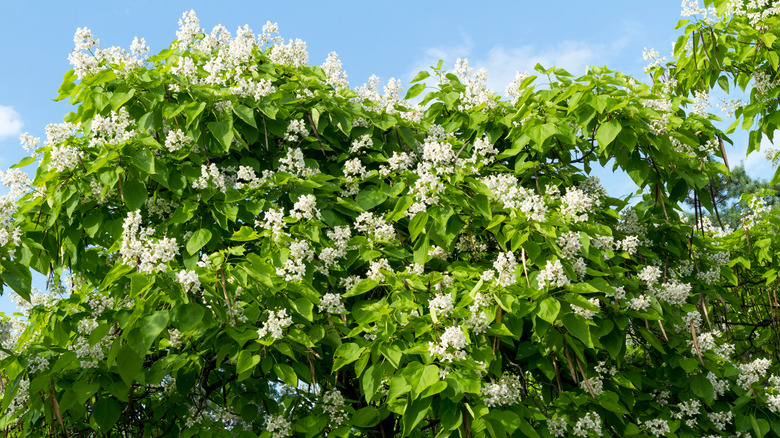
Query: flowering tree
[238, 244]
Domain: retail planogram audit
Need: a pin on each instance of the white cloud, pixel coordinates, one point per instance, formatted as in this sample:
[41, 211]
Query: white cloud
[10, 122]
[502, 63]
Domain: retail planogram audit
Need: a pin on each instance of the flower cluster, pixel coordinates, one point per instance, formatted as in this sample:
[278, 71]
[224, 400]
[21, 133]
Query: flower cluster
[505, 265]
[552, 275]
[276, 322]
[140, 250]
[451, 345]
[333, 405]
[506, 391]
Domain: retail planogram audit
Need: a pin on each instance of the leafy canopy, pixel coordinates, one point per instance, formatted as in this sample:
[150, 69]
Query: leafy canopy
[238, 244]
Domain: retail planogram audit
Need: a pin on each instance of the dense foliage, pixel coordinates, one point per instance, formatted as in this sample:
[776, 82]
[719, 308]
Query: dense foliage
[238, 244]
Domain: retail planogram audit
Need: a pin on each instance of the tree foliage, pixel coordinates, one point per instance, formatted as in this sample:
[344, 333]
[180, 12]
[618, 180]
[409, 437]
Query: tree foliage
[238, 244]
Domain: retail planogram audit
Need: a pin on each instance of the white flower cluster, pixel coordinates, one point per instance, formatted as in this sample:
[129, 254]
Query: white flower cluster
[29, 143]
[294, 267]
[552, 275]
[640, 303]
[719, 386]
[334, 72]
[478, 320]
[370, 91]
[295, 130]
[720, 420]
[397, 163]
[441, 304]
[587, 313]
[114, 57]
[513, 89]
[89, 354]
[174, 338]
[305, 208]
[140, 251]
[330, 255]
[189, 280]
[506, 188]
[333, 405]
[654, 57]
[354, 169]
[294, 163]
[426, 189]
[752, 372]
[591, 422]
[576, 204]
[507, 391]
[450, 346]
[650, 275]
[332, 303]
[657, 427]
[376, 267]
[505, 265]
[594, 384]
[293, 54]
[361, 143]
[211, 174]
[276, 322]
[375, 226]
[689, 411]
[176, 140]
[112, 129]
[273, 221]
[556, 426]
[476, 93]
[570, 244]
[19, 402]
[674, 292]
[278, 426]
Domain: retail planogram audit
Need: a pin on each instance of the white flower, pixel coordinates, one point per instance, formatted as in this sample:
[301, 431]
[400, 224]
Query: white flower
[441, 304]
[452, 339]
[505, 265]
[276, 322]
[332, 303]
[552, 275]
[587, 313]
[189, 279]
[507, 391]
[590, 422]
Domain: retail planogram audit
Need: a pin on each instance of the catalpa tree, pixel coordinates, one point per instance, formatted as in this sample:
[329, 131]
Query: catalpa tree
[236, 243]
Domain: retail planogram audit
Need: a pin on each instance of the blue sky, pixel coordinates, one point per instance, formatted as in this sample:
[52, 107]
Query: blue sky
[389, 39]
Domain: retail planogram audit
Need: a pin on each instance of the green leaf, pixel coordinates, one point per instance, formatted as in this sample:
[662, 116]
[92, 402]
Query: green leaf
[198, 240]
[429, 376]
[420, 76]
[17, 276]
[144, 160]
[702, 387]
[106, 413]
[414, 91]
[368, 199]
[364, 286]
[607, 132]
[134, 192]
[189, 315]
[578, 326]
[287, 374]
[414, 414]
[548, 309]
[346, 354]
[610, 400]
[366, 417]
[223, 132]
[417, 224]
[129, 364]
[246, 114]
